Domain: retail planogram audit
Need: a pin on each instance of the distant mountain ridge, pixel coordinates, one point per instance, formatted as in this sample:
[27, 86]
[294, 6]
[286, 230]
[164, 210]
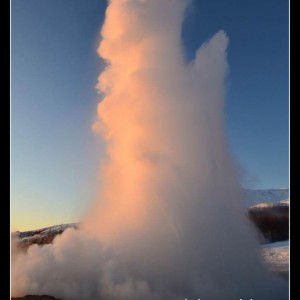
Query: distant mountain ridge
[40, 236]
[254, 197]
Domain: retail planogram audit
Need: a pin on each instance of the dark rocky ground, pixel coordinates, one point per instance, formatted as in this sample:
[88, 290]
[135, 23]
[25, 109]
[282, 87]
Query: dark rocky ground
[35, 297]
[272, 222]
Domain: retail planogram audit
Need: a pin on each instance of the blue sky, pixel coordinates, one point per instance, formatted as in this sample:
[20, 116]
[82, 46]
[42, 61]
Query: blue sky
[56, 157]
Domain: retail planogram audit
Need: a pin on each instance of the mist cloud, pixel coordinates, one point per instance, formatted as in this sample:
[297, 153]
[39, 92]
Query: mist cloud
[169, 222]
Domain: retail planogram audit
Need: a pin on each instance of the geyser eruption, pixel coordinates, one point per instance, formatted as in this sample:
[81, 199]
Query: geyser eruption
[169, 223]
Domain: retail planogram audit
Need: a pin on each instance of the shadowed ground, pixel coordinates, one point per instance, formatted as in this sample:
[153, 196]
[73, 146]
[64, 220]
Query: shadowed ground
[34, 297]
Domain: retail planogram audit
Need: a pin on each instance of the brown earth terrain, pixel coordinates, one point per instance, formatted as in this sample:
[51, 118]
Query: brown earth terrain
[272, 222]
[35, 297]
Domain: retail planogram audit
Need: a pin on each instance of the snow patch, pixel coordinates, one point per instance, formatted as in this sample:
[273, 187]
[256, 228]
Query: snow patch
[276, 256]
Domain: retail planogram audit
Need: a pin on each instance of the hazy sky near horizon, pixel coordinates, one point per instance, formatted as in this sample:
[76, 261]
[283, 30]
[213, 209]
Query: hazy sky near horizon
[55, 155]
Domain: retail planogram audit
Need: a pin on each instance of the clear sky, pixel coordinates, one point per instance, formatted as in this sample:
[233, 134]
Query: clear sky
[55, 155]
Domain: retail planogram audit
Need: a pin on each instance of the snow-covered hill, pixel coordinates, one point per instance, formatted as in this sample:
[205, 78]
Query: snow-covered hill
[254, 197]
[44, 231]
[282, 203]
[41, 236]
[276, 256]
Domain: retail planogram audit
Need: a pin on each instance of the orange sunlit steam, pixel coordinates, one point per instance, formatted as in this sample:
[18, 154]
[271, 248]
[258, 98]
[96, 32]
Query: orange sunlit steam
[129, 119]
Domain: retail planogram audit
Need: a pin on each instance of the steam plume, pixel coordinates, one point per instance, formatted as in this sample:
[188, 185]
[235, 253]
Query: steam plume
[169, 223]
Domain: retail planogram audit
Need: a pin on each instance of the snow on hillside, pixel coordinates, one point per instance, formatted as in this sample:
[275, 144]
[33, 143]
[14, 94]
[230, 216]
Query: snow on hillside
[44, 231]
[282, 203]
[287, 202]
[254, 197]
[41, 236]
[276, 256]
